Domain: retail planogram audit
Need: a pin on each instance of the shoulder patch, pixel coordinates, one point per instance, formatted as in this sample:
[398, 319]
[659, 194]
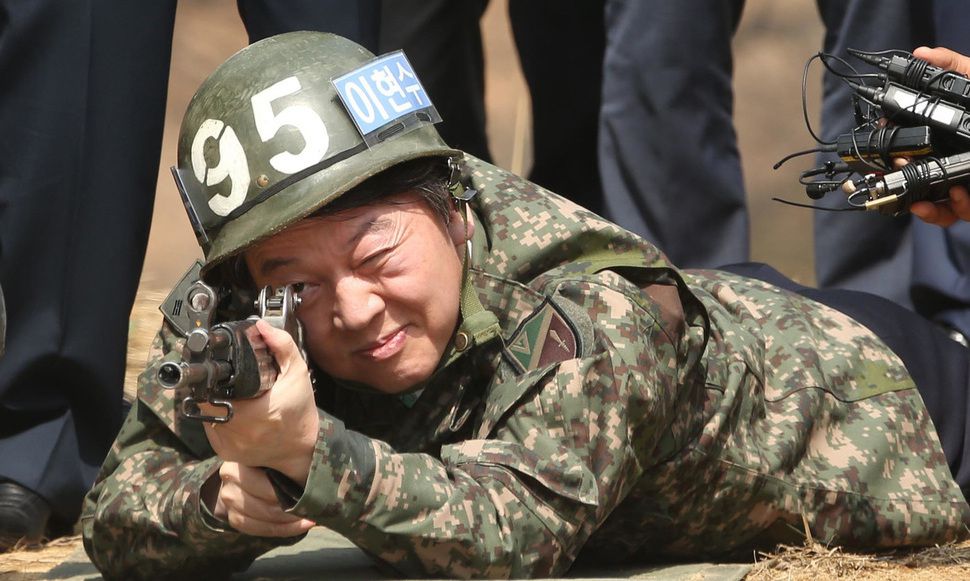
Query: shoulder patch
[545, 336]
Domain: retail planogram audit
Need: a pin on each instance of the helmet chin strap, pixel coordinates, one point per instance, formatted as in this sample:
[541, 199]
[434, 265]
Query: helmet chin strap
[478, 325]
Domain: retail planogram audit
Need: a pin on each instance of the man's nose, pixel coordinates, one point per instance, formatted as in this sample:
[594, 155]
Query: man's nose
[356, 304]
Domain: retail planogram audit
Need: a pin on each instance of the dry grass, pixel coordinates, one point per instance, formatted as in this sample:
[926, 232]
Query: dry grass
[810, 562]
[816, 562]
[23, 562]
[813, 561]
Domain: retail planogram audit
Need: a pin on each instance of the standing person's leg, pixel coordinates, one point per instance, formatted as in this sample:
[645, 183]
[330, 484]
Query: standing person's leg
[443, 41]
[941, 275]
[561, 46]
[358, 20]
[81, 113]
[862, 250]
[668, 151]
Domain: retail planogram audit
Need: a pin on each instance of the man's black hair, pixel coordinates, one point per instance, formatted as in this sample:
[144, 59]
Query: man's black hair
[427, 176]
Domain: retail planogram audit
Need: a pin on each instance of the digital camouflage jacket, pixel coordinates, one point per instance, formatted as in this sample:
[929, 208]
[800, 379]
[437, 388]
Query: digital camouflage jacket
[628, 411]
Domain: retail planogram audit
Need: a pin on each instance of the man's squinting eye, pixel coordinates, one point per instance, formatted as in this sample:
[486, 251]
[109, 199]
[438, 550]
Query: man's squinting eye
[375, 257]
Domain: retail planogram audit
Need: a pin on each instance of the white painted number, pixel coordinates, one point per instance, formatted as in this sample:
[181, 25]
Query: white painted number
[232, 157]
[306, 121]
[232, 164]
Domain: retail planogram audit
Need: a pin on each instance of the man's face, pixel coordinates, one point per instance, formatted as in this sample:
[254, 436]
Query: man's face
[380, 288]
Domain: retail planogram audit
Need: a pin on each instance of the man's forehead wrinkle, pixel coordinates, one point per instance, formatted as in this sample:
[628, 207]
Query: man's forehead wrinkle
[367, 226]
[371, 226]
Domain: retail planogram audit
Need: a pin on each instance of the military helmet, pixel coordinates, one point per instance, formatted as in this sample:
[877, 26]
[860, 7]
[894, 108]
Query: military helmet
[287, 125]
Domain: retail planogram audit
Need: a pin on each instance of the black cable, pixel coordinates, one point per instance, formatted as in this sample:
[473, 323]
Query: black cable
[917, 177]
[914, 72]
[811, 207]
[824, 59]
[886, 135]
[781, 161]
[896, 51]
[831, 169]
[842, 75]
[808, 123]
[878, 141]
[935, 76]
[927, 101]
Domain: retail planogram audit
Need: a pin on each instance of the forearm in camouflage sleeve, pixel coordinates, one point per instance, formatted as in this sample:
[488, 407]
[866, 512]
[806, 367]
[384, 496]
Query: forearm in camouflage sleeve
[427, 518]
[143, 517]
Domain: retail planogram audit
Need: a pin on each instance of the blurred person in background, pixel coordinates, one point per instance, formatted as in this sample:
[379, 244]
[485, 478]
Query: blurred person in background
[81, 111]
[670, 163]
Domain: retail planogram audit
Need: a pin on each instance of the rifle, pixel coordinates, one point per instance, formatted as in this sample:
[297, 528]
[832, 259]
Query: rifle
[223, 361]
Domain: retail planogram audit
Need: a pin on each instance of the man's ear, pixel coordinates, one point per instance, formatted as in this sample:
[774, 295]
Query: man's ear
[460, 230]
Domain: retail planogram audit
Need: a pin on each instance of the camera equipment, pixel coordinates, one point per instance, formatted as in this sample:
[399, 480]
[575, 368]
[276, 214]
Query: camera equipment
[920, 75]
[910, 109]
[925, 179]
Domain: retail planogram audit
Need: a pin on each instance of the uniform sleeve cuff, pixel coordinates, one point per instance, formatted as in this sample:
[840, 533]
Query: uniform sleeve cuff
[340, 476]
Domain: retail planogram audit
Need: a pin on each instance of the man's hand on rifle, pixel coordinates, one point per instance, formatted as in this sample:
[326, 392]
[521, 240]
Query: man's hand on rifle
[246, 500]
[277, 429]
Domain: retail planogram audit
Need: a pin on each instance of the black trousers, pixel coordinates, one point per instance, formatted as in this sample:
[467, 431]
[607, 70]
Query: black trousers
[667, 142]
[82, 103]
[560, 47]
[939, 366]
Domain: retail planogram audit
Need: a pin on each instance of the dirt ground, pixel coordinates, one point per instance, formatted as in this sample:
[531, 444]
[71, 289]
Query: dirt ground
[771, 46]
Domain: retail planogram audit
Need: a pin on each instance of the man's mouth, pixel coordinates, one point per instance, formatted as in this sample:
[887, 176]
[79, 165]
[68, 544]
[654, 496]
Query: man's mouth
[386, 347]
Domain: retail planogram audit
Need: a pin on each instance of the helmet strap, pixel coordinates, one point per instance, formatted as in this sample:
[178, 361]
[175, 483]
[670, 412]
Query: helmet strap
[478, 325]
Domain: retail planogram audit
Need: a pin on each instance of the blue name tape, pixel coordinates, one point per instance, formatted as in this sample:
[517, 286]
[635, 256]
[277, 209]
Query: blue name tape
[381, 92]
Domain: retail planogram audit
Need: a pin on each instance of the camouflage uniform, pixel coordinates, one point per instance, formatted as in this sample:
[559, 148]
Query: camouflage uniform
[630, 411]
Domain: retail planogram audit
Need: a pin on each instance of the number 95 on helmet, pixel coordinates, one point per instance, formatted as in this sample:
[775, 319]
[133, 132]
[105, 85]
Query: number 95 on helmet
[289, 124]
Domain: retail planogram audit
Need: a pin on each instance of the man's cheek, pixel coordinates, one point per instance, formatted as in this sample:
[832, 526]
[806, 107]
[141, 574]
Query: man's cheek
[320, 349]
